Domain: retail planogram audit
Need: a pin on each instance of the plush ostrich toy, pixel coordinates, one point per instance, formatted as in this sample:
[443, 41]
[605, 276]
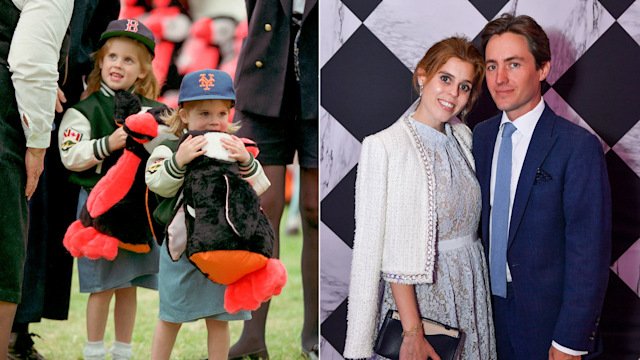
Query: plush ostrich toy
[115, 214]
[229, 238]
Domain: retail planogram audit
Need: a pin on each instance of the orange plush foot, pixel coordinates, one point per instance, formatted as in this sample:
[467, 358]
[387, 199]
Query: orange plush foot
[67, 241]
[101, 245]
[255, 288]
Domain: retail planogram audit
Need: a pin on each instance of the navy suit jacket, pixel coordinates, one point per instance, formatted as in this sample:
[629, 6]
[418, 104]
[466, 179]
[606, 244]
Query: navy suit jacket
[260, 90]
[559, 246]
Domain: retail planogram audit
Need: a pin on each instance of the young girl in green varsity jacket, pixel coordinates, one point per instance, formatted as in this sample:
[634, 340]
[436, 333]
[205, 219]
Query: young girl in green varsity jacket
[91, 143]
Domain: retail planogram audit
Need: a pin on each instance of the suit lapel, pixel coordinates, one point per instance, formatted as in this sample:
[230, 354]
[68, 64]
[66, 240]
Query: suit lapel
[541, 143]
[309, 4]
[287, 7]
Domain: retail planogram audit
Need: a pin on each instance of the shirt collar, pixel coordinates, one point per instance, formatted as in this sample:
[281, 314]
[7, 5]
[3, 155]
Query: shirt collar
[527, 122]
[105, 89]
[431, 134]
[298, 6]
[108, 92]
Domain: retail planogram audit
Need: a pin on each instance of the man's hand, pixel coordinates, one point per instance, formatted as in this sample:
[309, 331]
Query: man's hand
[34, 163]
[555, 354]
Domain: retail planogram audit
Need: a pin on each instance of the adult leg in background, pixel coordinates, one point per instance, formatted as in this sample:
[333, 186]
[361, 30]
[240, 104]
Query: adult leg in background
[309, 262]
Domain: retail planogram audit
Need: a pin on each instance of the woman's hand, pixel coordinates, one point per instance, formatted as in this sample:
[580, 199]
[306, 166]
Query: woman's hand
[190, 149]
[416, 347]
[34, 163]
[60, 99]
[117, 139]
[238, 150]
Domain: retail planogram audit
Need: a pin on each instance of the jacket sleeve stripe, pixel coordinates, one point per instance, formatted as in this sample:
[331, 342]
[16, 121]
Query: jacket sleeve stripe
[172, 168]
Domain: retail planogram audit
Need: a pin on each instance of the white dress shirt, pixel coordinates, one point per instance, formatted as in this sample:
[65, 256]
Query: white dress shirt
[520, 142]
[33, 62]
[298, 6]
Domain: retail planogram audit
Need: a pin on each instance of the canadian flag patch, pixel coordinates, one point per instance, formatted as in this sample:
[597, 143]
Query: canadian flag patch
[71, 137]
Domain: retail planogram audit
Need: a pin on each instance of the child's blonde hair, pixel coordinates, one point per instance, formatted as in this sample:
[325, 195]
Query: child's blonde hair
[147, 86]
[172, 118]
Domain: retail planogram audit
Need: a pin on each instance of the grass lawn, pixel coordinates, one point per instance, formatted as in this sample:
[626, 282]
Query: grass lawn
[66, 339]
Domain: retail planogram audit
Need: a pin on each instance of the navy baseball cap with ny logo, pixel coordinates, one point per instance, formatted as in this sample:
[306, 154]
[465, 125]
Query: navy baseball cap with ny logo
[207, 84]
[131, 28]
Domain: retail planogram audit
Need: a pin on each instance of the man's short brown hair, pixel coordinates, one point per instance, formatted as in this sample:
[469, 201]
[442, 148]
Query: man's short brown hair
[522, 25]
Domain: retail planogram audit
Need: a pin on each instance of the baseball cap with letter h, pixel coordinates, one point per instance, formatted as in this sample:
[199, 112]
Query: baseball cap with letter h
[207, 84]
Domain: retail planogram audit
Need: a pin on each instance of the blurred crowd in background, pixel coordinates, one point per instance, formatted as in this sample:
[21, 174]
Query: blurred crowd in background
[190, 35]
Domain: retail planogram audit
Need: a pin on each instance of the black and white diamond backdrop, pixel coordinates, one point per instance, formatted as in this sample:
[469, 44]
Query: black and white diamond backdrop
[368, 50]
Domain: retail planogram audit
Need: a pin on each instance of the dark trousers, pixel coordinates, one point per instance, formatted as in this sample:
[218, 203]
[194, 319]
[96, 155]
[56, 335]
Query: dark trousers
[503, 310]
[47, 273]
[515, 337]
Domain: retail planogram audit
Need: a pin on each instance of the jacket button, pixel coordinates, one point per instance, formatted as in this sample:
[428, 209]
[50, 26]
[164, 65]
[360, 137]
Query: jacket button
[258, 64]
[591, 338]
[267, 27]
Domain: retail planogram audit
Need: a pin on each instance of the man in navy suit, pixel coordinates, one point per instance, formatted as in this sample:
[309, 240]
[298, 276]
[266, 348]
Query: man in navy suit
[550, 255]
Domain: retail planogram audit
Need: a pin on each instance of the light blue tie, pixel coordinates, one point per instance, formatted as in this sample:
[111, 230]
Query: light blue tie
[500, 215]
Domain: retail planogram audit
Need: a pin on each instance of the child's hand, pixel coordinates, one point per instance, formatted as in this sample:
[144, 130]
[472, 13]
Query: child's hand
[237, 148]
[117, 139]
[190, 149]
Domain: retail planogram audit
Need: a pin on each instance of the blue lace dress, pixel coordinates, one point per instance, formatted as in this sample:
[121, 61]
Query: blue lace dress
[459, 295]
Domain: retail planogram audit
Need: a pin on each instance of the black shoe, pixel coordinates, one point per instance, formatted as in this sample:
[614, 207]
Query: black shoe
[21, 347]
[261, 354]
[311, 354]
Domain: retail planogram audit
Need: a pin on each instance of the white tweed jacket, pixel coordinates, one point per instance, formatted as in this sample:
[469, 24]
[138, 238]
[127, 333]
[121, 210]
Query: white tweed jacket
[395, 236]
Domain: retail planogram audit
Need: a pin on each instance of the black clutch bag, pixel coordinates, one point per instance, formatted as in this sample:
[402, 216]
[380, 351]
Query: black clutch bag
[444, 339]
